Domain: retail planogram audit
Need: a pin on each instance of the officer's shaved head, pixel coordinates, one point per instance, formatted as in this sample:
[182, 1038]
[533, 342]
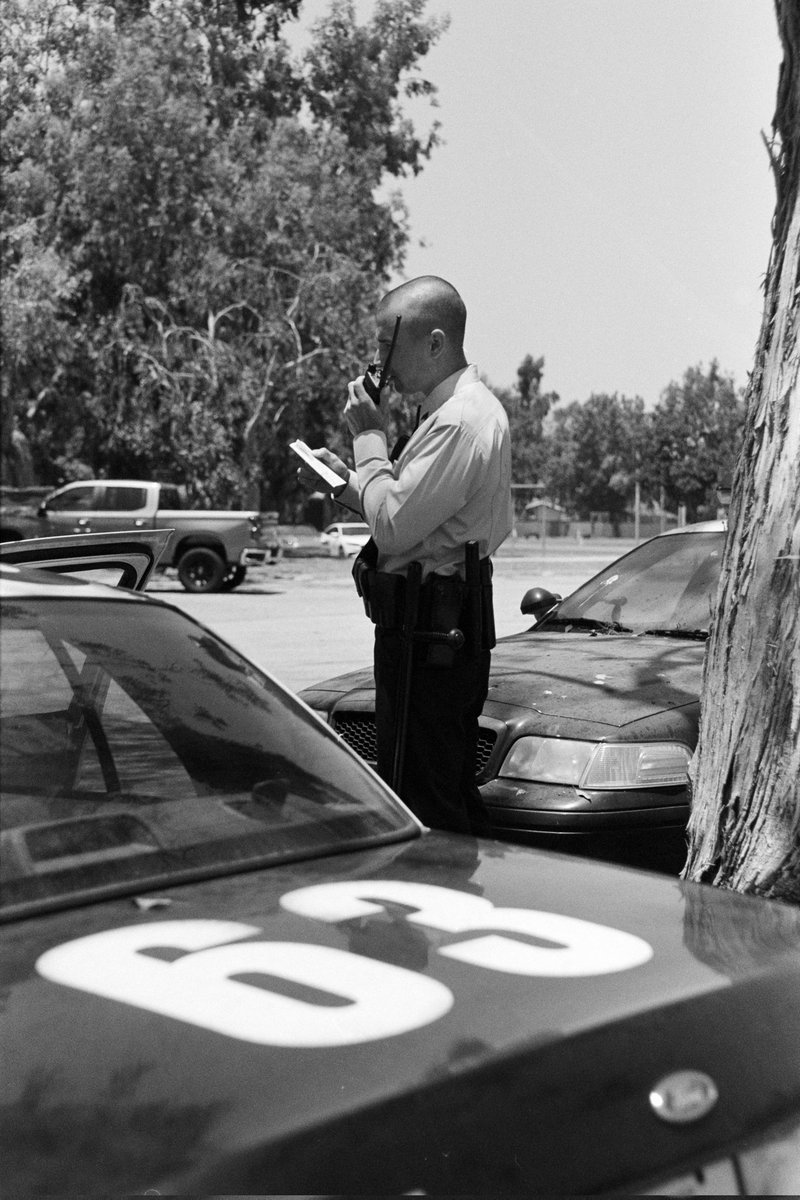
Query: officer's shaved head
[427, 303]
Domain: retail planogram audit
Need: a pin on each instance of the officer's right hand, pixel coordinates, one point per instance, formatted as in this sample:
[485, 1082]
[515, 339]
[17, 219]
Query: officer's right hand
[309, 478]
[360, 414]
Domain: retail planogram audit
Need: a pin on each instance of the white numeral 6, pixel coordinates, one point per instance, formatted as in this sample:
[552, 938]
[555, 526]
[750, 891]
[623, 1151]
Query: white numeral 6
[365, 999]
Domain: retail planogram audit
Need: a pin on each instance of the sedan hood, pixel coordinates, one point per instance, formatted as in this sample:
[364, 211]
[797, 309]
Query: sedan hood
[612, 679]
[605, 680]
[206, 1041]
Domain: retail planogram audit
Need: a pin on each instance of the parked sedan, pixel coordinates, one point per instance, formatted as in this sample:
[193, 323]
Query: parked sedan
[592, 715]
[299, 541]
[234, 963]
[345, 539]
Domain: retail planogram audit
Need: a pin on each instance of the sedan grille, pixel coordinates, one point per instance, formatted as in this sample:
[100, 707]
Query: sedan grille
[358, 730]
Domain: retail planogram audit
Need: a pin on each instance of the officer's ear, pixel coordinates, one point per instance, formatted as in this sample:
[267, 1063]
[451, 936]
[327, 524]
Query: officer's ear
[436, 343]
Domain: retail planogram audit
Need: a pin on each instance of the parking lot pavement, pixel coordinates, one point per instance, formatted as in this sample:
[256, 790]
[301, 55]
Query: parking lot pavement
[301, 619]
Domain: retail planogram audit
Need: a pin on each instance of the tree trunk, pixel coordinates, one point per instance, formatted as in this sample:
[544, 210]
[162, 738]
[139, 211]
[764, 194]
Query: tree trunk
[744, 831]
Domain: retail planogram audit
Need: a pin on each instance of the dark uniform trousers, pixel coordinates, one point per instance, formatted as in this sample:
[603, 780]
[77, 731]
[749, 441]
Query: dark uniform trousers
[438, 782]
[445, 701]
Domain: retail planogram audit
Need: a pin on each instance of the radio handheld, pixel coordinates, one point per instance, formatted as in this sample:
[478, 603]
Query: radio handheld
[376, 375]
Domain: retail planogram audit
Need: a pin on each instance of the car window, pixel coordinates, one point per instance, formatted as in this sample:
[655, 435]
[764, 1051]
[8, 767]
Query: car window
[82, 498]
[348, 530]
[116, 498]
[112, 576]
[136, 748]
[666, 584]
[169, 496]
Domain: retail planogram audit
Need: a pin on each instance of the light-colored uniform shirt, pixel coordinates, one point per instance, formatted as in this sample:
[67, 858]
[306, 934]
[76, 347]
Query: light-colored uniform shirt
[451, 484]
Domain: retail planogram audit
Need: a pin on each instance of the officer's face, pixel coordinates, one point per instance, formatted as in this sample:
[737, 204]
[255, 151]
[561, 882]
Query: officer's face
[408, 368]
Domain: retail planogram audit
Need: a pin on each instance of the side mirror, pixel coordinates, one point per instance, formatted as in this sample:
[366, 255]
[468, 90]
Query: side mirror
[538, 602]
[42, 511]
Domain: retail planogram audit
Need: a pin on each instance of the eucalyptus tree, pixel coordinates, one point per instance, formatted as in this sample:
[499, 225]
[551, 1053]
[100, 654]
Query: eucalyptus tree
[744, 831]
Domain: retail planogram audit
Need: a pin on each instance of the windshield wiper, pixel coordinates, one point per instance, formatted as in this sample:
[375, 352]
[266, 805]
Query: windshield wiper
[694, 635]
[586, 623]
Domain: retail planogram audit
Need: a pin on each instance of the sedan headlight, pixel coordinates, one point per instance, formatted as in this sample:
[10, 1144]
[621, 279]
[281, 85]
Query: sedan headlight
[603, 765]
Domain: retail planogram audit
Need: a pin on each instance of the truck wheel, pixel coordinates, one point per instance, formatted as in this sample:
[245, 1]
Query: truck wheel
[233, 577]
[201, 570]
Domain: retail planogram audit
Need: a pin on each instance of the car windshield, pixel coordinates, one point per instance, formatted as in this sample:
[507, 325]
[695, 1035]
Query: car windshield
[349, 530]
[666, 586]
[139, 750]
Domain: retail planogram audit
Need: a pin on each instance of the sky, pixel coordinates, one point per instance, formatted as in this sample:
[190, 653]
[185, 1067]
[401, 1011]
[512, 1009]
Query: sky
[603, 196]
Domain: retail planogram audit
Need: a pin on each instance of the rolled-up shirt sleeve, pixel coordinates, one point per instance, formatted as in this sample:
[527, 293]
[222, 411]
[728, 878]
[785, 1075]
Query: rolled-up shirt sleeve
[349, 496]
[433, 486]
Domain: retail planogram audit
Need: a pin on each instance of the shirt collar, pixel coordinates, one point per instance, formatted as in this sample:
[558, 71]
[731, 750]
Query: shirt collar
[445, 390]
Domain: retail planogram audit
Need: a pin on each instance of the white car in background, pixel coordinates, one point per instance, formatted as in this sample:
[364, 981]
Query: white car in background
[344, 539]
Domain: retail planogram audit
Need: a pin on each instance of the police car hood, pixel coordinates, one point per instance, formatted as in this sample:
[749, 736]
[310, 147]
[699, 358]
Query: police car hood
[607, 679]
[399, 1027]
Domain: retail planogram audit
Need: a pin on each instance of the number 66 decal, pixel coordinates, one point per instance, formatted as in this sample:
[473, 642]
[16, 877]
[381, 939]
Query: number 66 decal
[339, 998]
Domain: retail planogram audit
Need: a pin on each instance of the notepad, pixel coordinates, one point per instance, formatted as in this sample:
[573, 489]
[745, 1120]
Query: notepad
[330, 477]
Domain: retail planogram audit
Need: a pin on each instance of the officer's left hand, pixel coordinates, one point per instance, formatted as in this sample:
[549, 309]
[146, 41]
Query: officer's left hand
[360, 413]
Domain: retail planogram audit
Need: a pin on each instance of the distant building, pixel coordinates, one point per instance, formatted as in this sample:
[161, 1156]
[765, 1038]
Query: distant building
[652, 520]
[543, 518]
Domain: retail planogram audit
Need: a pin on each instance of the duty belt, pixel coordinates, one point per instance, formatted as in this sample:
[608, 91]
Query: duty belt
[443, 603]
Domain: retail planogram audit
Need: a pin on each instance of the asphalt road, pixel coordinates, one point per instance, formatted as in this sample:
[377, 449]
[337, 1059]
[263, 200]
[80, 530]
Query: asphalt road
[302, 621]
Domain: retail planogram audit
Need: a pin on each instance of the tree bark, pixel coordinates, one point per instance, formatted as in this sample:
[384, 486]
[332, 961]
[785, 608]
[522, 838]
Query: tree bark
[744, 831]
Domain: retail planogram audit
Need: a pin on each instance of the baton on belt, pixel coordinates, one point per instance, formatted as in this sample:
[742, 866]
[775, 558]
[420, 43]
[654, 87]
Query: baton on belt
[472, 578]
[409, 635]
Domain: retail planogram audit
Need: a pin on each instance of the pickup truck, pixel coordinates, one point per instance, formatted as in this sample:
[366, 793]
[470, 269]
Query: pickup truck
[18, 507]
[210, 549]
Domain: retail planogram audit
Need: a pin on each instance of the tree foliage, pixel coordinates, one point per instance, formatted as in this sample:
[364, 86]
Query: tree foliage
[695, 437]
[589, 456]
[357, 75]
[595, 456]
[527, 406]
[193, 240]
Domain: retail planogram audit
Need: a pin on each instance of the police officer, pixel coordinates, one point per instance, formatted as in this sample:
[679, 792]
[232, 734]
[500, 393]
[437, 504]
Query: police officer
[448, 486]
